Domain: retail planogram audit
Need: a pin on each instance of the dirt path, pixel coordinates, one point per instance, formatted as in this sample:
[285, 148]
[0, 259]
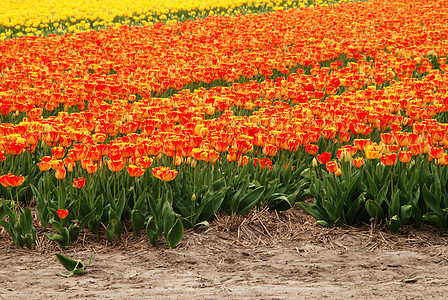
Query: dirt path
[233, 262]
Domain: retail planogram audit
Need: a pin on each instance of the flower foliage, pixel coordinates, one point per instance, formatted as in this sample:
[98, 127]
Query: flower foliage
[345, 103]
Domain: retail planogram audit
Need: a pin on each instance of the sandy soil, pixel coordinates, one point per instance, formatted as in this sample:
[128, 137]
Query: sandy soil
[259, 256]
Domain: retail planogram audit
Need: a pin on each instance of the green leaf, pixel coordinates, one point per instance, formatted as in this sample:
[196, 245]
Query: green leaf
[331, 210]
[374, 210]
[241, 188]
[417, 216]
[115, 227]
[406, 213]
[120, 204]
[55, 237]
[94, 224]
[168, 217]
[152, 231]
[354, 211]
[323, 223]
[174, 236]
[430, 200]
[76, 267]
[314, 210]
[250, 200]
[204, 223]
[436, 218]
[137, 221]
[394, 208]
[394, 224]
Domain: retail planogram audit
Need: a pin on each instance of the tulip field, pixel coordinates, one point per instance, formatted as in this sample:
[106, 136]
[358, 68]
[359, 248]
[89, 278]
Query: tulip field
[153, 118]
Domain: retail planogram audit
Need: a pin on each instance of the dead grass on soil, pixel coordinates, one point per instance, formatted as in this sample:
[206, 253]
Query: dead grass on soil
[259, 227]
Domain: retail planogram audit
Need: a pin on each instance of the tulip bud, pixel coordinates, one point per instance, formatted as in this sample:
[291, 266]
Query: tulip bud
[193, 197]
[314, 162]
[194, 163]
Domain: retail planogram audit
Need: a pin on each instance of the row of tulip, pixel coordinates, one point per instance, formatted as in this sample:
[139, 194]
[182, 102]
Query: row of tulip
[40, 18]
[97, 150]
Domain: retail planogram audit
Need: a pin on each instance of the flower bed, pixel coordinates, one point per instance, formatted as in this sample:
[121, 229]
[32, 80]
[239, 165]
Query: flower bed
[160, 127]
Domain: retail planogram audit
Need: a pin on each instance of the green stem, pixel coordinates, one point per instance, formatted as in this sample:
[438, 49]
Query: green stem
[391, 182]
[135, 196]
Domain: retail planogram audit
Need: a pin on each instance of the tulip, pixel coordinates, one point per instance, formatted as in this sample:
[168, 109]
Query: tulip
[116, 165]
[135, 171]
[79, 182]
[91, 167]
[358, 162]
[405, 156]
[436, 152]
[60, 174]
[62, 213]
[164, 173]
[144, 162]
[324, 157]
[57, 164]
[242, 145]
[57, 152]
[338, 172]
[270, 150]
[389, 159]
[372, 151]
[45, 164]
[243, 160]
[11, 180]
[311, 149]
[331, 166]
[344, 136]
[15, 148]
[415, 149]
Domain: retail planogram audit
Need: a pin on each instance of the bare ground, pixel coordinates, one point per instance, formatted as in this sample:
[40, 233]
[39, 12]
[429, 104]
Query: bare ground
[261, 255]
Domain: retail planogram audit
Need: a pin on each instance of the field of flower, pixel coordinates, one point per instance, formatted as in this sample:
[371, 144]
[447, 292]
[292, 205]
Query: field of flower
[159, 127]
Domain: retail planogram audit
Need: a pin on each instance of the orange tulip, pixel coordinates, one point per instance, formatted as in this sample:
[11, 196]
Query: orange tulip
[91, 167]
[60, 174]
[361, 144]
[135, 171]
[263, 163]
[62, 213]
[331, 166]
[45, 164]
[389, 159]
[344, 136]
[372, 151]
[270, 150]
[415, 149]
[338, 172]
[164, 173]
[232, 156]
[324, 157]
[15, 148]
[242, 145]
[79, 182]
[243, 160]
[57, 164]
[116, 165]
[436, 152]
[405, 156]
[11, 180]
[144, 162]
[358, 162]
[311, 149]
[57, 152]
[402, 139]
